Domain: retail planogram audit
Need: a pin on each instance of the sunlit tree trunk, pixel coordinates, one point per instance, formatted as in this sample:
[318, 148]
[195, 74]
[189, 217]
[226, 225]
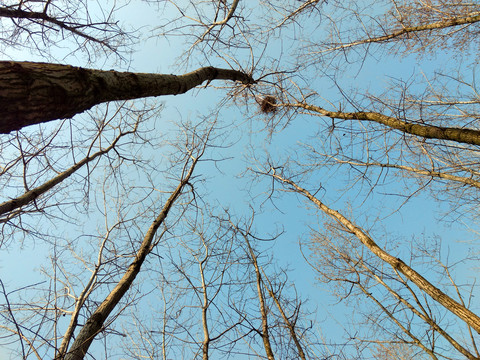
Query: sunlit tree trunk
[470, 318]
[32, 93]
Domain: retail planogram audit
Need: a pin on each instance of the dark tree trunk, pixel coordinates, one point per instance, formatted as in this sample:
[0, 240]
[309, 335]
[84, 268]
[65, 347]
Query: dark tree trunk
[33, 93]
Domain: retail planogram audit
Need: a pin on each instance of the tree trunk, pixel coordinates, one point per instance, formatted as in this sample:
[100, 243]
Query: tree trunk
[460, 135]
[470, 318]
[95, 323]
[261, 299]
[33, 93]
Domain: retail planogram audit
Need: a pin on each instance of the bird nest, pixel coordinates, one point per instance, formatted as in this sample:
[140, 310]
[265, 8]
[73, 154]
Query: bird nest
[267, 105]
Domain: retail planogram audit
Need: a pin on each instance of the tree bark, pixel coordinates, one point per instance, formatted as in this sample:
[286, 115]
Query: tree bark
[33, 194]
[459, 135]
[96, 321]
[470, 318]
[33, 93]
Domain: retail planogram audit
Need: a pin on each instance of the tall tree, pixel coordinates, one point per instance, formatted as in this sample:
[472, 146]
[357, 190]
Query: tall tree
[365, 111]
[34, 93]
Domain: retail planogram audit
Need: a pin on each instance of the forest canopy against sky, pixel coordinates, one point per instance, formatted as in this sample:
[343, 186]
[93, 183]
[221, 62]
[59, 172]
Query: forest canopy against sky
[239, 179]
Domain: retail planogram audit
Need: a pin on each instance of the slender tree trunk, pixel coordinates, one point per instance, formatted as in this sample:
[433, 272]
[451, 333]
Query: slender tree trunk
[289, 324]
[33, 93]
[206, 333]
[460, 135]
[470, 318]
[261, 299]
[96, 321]
[33, 194]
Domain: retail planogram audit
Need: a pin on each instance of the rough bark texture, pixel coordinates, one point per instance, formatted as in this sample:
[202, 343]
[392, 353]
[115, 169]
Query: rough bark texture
[32, 93]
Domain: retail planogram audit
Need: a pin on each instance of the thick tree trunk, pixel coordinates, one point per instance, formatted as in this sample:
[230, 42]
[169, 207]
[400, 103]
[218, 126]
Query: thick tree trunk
[33, 93]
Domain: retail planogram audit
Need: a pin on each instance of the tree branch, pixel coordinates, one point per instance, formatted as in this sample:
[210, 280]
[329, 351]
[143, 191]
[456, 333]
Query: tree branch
[459, 135]
[35, 193]
[405, 31]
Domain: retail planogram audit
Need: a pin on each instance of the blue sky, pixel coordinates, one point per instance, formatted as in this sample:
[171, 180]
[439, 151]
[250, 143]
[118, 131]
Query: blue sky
[228, 187]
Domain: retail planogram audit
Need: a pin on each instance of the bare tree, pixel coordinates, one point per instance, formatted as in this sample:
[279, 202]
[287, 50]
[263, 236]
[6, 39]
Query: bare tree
[347, 263]
[35, 93]
[338, 125]
[41, 26]
[282, 314]
[265, 329]
[206, 271]
[96, 321]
